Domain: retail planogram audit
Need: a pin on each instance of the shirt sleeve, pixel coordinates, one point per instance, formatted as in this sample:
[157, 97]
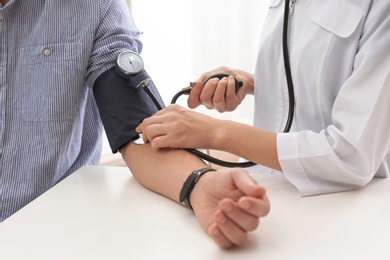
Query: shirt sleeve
[355, 147]
[115, 32]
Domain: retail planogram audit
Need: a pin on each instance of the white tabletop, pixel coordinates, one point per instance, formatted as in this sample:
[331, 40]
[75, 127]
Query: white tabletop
[103, 213]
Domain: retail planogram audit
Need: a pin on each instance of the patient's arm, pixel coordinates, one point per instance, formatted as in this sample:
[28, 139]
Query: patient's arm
[227, 203]
[160, 170]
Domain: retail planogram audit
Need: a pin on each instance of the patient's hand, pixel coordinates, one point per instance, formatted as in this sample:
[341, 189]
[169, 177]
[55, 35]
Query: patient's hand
[228, 204]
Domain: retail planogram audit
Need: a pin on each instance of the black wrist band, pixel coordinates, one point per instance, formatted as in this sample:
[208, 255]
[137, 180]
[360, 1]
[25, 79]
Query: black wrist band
[189, 184]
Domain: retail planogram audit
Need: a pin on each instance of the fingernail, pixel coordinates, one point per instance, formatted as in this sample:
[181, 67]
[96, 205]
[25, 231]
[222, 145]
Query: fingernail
[216, 232]
[246, 205]
[228, 208]
[220, 219]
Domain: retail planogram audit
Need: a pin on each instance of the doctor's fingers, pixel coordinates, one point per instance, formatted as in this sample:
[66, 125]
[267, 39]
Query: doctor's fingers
[168, 114]
[207, 94]
[150, 132]
[232, 99]
[193, 100]
[153, 120]
[219, 70]
[219, 101]
[160, 137]
[164, 135]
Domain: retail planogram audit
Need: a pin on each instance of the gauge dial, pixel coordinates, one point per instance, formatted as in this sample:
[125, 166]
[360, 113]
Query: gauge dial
[129, 62]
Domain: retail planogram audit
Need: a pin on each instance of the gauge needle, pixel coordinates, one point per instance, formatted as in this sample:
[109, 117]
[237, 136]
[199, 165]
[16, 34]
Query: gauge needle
[131, 63]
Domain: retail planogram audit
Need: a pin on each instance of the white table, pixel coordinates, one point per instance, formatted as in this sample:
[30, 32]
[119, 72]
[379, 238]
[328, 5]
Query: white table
[103, 213]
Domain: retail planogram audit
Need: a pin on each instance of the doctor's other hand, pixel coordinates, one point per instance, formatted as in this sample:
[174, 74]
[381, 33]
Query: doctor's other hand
[228, 204]
[220, 94]
[178, 127]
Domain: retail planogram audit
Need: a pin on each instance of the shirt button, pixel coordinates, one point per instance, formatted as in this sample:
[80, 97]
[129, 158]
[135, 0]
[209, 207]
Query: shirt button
[47, 52]
[1, 17]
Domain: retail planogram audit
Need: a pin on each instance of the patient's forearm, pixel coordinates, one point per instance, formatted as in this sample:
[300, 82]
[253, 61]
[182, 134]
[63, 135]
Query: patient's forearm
[161, 170]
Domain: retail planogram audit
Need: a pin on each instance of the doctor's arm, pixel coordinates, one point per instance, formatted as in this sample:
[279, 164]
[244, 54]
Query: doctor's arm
[172, 127]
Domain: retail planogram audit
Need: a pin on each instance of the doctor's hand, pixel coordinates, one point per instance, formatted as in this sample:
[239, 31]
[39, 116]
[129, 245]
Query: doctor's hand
[228, 205]
[177, 127]
[220, 94]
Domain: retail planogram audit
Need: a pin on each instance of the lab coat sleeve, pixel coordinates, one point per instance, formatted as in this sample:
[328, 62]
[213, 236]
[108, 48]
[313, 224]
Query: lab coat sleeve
[348, 153]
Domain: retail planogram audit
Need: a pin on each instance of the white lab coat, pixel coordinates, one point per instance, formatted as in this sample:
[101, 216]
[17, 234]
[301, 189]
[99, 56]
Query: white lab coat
[340, 60]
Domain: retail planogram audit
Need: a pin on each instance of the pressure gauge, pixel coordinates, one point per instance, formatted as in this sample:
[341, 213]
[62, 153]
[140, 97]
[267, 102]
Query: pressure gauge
[129, 62]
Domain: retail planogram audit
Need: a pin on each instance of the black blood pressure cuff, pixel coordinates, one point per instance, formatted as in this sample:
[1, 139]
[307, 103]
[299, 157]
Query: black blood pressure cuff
[122, 107]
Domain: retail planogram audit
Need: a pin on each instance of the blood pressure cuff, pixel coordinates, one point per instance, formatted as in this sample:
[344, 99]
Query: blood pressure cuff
[122, 107]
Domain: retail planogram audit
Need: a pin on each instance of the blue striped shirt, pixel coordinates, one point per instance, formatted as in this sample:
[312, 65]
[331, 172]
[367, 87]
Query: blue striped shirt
[51, 52]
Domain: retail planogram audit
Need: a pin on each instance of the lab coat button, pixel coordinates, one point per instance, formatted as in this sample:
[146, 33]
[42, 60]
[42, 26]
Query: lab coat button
[46, 52]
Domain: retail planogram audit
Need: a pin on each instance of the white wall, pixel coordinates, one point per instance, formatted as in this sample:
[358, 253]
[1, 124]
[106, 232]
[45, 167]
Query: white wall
[183, 38]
